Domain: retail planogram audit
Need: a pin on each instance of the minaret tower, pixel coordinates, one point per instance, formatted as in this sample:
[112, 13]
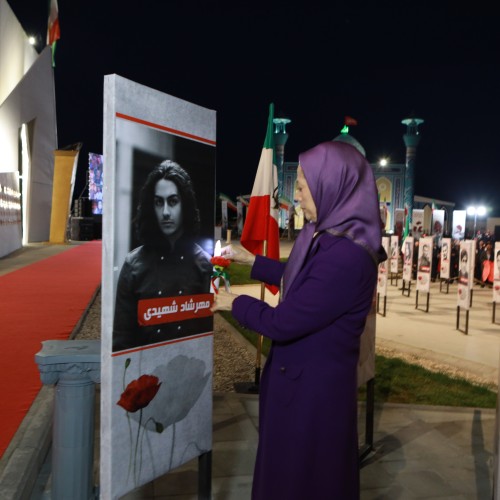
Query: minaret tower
[412, 139]
[280, 138]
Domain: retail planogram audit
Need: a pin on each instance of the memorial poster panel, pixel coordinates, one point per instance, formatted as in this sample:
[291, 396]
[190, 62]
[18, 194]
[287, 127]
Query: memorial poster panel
[239, 216]
[157, 327]
[438, 225]
[408, 258]
[465, 274]
[417, 223]
[394, 254]
[383, 269]
[224, 215]
[458, 225]
[424, 264]
[11, 233]
[399, 221]
[496, 275]
[445, 262]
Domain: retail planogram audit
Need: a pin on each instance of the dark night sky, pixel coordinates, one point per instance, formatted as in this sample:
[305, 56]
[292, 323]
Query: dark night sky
[317, 62]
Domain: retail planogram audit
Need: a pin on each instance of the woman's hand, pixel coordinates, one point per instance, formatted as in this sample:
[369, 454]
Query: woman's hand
[238, 254]
[223, 301]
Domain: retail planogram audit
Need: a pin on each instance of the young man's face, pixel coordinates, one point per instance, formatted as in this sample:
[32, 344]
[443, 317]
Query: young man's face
[168, 208]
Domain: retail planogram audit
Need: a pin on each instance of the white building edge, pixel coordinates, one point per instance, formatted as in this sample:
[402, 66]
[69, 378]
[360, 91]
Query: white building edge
[28, 136]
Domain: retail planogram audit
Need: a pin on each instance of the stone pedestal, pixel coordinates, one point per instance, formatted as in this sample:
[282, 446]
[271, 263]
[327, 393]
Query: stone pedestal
[75, 367]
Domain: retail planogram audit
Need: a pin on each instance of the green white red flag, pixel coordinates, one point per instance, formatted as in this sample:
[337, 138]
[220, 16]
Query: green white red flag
[261, 223]
[53, 31]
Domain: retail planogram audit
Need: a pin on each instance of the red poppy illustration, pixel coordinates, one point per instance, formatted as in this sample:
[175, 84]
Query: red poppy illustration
[139, 393]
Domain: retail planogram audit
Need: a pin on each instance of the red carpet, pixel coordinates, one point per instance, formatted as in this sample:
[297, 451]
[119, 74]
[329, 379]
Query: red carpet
[42, 301]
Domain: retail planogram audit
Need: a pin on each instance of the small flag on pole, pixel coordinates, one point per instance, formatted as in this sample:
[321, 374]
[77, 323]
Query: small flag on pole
[261, 232]
[53, 31]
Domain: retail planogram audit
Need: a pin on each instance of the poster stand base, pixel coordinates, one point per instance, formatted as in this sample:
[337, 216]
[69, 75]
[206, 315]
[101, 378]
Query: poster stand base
[367, 447]
[466, 331]
[405, 290]
[493, 315]
[249, 387]
[447, 283]
[427, 305]
[394, 277]
[246, 388]
[378, 304]
[205, 476]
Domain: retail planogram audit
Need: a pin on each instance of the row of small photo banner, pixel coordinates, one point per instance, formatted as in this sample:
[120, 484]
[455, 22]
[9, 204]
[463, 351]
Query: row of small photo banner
[438, 216]
[466, 267]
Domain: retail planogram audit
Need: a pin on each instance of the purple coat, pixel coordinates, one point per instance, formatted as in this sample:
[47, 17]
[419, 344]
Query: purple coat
[308, 446]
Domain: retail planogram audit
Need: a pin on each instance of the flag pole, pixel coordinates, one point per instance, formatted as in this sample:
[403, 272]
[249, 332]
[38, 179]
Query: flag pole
[260, 337]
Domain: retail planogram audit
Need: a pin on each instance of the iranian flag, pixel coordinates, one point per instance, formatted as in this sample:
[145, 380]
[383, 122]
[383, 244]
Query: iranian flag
[53, 31]
[261, 223]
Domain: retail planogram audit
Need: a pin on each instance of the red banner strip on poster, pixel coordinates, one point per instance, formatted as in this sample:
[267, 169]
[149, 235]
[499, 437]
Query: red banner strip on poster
[166, 129]
[170, 309]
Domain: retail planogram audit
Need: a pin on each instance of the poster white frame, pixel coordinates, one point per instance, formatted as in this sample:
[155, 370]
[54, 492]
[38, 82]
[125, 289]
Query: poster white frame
[189, 410]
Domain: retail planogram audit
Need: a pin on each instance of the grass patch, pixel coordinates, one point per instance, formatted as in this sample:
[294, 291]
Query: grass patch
[397, 381]
[239, 274]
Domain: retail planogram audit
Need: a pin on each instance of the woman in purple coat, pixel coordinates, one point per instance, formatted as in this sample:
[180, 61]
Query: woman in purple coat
[308, 446]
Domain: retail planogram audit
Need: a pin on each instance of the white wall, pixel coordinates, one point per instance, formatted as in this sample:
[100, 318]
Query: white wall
[16, 54]
[27, 96]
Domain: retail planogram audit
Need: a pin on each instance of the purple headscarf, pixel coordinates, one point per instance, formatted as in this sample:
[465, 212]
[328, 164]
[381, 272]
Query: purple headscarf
[343, 188]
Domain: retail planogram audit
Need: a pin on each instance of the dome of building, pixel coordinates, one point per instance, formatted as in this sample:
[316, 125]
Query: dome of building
[349, 139]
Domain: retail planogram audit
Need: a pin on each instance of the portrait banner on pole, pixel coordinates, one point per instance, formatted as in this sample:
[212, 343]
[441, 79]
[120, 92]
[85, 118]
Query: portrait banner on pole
[394, 254]
[424, 264]
[224, 214]
[445, 262]
[465, 274]
[408, 258]
[438, 225]
[458, 231]
[417, 223]
[496, 274]
[239, 216]
[383, 269]
[157, 328]
[399, 222]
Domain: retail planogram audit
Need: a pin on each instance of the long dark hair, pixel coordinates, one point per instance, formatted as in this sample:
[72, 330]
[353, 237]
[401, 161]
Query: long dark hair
[148, 230]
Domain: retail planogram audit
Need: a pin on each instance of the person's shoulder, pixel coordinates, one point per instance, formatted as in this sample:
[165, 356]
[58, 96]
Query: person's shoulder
[346, 247]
